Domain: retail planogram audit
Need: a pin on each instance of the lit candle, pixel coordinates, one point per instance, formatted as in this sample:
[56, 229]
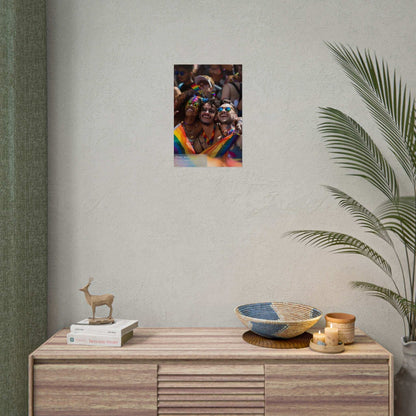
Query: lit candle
[331, 336]
[319, 338]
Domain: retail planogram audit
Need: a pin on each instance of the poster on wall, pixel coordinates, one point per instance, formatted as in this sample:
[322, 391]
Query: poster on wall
[208, 115]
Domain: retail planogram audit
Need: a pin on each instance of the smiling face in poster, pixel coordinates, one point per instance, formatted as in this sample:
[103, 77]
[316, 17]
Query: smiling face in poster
[208, 115]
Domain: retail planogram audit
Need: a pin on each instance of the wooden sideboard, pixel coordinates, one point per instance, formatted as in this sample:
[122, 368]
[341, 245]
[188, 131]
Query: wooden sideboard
[207, 371]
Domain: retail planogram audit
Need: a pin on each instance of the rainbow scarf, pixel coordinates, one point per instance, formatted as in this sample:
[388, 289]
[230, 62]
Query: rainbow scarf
[209, 140]
[181, 143]
[220, 148]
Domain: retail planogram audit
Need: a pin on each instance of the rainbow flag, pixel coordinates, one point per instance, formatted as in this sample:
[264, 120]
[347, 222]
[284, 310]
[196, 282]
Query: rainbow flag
[181, 143]
[220, 148]
[195, 87]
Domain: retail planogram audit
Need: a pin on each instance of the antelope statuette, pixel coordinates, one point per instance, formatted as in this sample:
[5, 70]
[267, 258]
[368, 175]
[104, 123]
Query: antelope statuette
[97, 300]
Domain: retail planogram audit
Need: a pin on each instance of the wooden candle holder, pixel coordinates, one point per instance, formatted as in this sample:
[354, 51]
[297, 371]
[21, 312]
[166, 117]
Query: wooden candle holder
[328, 349]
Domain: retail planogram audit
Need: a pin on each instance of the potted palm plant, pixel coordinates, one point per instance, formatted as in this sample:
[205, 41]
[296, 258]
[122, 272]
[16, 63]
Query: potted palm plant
[394, 220]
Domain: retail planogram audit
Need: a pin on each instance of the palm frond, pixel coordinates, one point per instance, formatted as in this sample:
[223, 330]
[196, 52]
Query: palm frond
[341, 243]
[362, 215]
[355, 150]
[394, 111]
[399, 217]
[387, 99]
[403, 306]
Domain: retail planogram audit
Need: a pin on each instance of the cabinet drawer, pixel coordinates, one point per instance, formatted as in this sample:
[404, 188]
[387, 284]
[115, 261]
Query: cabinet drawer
[95, 389]
[211, 389]
[327, 389]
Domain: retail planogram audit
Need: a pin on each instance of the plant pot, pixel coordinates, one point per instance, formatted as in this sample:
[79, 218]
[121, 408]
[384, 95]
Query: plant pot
[405, 382]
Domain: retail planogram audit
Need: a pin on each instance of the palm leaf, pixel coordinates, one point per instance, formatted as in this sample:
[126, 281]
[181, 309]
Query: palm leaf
[399, 217]
[355, 150]
[388, 101]
[342, 243]
[362, 215]
[402, 305]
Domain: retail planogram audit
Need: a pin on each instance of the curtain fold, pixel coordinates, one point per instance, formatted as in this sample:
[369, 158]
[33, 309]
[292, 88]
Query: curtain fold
[23, 195]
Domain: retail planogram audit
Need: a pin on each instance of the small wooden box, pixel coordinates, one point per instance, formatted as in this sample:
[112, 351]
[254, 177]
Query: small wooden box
[345, 323]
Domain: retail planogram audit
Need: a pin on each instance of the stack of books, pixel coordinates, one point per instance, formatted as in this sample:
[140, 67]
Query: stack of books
[106, 335]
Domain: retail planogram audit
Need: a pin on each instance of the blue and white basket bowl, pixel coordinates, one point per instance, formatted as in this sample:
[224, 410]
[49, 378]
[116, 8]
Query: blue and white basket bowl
[278, 319]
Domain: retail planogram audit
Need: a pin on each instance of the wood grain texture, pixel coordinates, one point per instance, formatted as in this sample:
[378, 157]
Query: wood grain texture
[211, 411]
[213, 371]
[220, 389]
[391, 386]
[199, 344]
[95, 389]
[30, 384]
[327, 389]
[216, 370]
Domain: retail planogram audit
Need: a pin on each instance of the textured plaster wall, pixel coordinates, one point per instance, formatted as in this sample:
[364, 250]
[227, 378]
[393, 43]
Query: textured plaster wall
[183, 246]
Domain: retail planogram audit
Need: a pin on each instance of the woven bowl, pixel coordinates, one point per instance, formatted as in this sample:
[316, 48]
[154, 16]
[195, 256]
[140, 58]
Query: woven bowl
[278, 319]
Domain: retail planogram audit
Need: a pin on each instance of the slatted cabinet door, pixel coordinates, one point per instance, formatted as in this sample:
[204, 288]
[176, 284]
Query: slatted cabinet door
[95, 389]
[327, 389]
[196, 389]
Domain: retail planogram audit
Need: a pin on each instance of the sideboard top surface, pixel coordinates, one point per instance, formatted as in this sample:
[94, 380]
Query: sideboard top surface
[199, 344]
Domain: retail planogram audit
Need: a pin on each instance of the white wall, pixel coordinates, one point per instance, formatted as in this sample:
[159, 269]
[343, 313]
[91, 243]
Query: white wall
[183, 246]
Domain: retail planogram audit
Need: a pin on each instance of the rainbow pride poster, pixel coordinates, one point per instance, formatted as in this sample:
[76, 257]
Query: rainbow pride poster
[208, 115]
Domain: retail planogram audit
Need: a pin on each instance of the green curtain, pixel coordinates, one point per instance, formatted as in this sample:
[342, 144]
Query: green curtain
[23, 195]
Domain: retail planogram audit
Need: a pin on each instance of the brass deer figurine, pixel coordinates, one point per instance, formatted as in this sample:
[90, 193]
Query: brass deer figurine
[97, 300]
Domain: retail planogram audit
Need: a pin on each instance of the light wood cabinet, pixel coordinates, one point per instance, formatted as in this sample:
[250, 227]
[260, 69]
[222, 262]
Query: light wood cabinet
[207, 371]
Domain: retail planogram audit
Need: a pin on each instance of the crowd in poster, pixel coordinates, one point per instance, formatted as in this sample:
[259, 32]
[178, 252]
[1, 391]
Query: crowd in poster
[208, 115]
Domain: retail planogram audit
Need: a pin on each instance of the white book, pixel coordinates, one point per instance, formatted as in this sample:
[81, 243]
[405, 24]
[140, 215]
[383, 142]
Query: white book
[119, 327]
[85, 338]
